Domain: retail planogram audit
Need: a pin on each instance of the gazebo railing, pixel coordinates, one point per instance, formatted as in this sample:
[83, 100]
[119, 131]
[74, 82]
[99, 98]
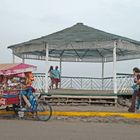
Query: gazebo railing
[124, 83]
[39, 82]
[86, 83]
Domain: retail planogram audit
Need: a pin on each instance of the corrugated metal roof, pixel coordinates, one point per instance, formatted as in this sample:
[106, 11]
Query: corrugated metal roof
[79, 43]
[77, 33]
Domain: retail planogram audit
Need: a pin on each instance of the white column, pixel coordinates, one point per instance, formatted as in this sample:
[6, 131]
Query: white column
[60, 70]
[13, 57]
[103, 75]
[47, 68]
[114, 69]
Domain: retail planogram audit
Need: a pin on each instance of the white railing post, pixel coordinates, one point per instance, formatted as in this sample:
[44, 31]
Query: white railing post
[71, 82]
[81, 83]
[102, 75]
[60, 69]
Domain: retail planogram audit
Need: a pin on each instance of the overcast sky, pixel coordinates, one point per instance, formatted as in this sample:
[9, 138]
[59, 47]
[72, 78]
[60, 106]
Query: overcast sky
[22, 20]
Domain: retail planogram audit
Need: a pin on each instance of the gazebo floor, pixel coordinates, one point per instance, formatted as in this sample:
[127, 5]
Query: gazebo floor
[80, 92]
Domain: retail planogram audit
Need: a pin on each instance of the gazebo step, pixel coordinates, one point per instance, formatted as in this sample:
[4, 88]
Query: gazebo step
[78, 100]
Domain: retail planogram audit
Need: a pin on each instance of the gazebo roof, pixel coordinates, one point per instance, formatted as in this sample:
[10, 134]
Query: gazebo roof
[79, 43]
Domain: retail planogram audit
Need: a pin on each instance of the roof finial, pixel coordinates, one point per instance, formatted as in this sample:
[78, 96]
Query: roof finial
[79, 23]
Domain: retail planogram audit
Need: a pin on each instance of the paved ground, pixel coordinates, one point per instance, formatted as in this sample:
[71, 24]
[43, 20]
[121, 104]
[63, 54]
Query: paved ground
[67, 130]
[72, 128]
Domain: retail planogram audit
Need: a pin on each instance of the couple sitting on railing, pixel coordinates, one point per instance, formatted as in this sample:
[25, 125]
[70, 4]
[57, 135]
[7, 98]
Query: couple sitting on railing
[136, 89]
[54, 75]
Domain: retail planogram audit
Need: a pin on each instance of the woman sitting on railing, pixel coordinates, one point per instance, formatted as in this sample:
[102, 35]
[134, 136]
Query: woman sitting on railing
[50, 74]
[136, 88]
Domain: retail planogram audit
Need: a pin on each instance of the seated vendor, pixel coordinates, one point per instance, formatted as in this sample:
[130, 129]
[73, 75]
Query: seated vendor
[29, 78]
[27, 90]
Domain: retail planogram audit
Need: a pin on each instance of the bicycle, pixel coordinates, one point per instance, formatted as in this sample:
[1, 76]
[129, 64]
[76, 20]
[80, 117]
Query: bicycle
[40, 109]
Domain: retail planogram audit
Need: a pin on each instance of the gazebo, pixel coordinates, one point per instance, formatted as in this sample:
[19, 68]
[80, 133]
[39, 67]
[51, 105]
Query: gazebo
[79, 43]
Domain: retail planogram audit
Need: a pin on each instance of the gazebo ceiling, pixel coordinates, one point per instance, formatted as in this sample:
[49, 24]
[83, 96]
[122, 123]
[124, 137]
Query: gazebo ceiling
[79, 43]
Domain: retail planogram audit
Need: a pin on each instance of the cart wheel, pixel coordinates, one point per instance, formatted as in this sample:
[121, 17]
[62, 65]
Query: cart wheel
[44, 111]
[15, 108]
[7, 108]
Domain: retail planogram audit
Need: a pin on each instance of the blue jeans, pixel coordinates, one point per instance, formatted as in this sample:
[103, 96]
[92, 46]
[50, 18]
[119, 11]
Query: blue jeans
[31, 97]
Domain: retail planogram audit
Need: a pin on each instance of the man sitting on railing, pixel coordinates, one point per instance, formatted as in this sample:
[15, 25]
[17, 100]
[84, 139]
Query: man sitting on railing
[56, 77]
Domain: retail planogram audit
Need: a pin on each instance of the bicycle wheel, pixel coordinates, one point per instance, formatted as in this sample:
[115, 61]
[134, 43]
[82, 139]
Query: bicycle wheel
[44, 111]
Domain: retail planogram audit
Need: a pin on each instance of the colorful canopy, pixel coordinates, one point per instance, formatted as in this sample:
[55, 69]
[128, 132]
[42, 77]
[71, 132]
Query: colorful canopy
[8, 69]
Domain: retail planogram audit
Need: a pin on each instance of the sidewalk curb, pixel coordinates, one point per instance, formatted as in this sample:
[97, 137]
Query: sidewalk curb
[98, 114]
[85, 114]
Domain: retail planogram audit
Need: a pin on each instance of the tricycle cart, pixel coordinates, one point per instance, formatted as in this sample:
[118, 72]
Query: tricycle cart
[16, 90]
